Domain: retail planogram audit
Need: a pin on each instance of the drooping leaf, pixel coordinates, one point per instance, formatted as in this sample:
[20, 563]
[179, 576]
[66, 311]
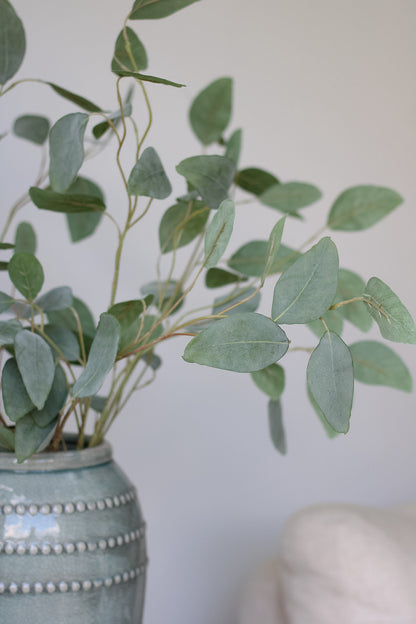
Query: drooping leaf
[233, 149]
[212, 176]
[101, 128]
[219, 233]
[155, 362]
[79, 100]
[65, 202]
[237, 296]
[290, 196]
[25, 238]
[162, 293]
[215, 278]
[181, 224]
[377, 364]
[242, 342]
[273, 248]
[34, 128]
[270, 380]
[66, 150]
[64, 342]
[6, 302]
[55, 401]
[148, 178]
[7, 438]
[211, 110]
[30, 438]
[351, 285]
[360, 207]
[129, 53]
[26, 273]
[8, 331]
[101, 358]
[331, 380]
[36, 366]
[12, 41]
[305, 290]
[83, 224]
[251, 259]
[155, 9]
[390, 314]
[330, 432]
[16, 400]
[148, 78]
[255, 181]
[333, 320]
[128, 314]
[276, 429]
[56, 299]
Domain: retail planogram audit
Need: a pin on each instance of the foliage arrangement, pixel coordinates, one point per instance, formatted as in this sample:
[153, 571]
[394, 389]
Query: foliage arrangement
[56, 358]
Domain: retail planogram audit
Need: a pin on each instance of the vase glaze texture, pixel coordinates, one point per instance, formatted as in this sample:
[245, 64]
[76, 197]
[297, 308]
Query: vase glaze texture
[72, 540]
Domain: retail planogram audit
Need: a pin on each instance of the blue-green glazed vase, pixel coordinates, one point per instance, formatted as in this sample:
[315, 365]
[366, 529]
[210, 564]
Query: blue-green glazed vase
[72, 540]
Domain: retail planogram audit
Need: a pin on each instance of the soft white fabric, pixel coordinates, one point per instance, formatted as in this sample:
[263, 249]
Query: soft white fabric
[343, 564]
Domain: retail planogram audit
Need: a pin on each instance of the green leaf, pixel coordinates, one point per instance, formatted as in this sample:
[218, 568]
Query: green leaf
[333, 321]
[166, 291]
[330, 432]
[16, 400]
[83, 224]
[101, 358]
[75, 98]
[376, 364]
[219, 233]
[233, 149]
[56, 299]
[128, 315]
[34, 128]
[67, 318]
[291, 196]
[55, 401]
[351, 285]
[215, 278]
[26, 273]
[4, 266]
[149, 322]
[392, 317]
[64, 202]
[211, 110]
[30, 438]
[36, 365]
[66, 150]
[129, 53]
[148, 178]
[331, 380]
[270, 380]
[155, 9]
[7, 438]
[277, 432]
[25, 238]
[6, 302]
[360, 207]
[212, 176]
[98, 403]
[147, 78]
[65, 342]
[6, 246]
[12, 42]
[242, 342]
[273, 248]
[236, 296]
[101, 128]
[255, 181]
[181, 224]
[251, 259]
[8, 331]
[306, 289]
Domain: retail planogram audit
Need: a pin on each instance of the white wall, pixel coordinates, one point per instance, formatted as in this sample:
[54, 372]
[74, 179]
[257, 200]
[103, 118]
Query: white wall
[325, 91]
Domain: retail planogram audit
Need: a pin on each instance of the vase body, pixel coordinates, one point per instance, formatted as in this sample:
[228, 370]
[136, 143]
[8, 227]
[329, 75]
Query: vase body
[72, 540]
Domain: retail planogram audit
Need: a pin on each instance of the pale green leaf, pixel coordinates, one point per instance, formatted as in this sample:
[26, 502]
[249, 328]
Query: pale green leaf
[270, 380]
[377, 364]
[211, 111]
[65, 202]
[6, 302]
[56, 299]
[151, 330]
[181, 224]
[162, 293]
[219, 233]
[34, 128]
[273, 246]
[8, 331]
[255, 181]
[237, 296]
[251, 259]
[129, 53]
[277, 432]
[391, 315]
[212, 176]
[148, 178]
[128, 314]
[66, 150]
[98, 403]
[12, 41]
[291, 196]
[83, 224]
[333, 320]
[65, 343]
[36, 366]
[360, 207]
[26, 273]
[156, 9]
[16, 400]
[330, 432]
[7, 438]
[30, 438]
[233, 149]
[55, 401]
[25, 238]
[351, 285]
[67, 318]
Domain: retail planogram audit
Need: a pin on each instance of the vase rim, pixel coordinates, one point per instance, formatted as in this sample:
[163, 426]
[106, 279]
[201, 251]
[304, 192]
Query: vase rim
[63, 460]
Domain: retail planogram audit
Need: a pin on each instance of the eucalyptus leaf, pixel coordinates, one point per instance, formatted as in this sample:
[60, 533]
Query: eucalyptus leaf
[330, 432]
[233, 149]
[237, 296]
[55, 401]
[129, 53]
[30, 438]
[147, 334]
[255, 181]
[360, 207]
[128, 314]
[98, 403]
[270, 380]
[212, 176]
[377, 364]
[391, 315]
[12, 42]
[64, 342]
[216, 278]
[162, 293]
[66, 150]
[4, 266]
[25, 238]
[211, 111]
[251, 258]
[156, 9]
[17, 402]
[333, 320]
[67, 318]
[26, 273]
[7, 438]
[331, 380]
[4, 246]
[350, 286]
[181, 224]
[219, 233]
[147, 78]
[8, 331]
[55, 299]
[65, 202]
[101, 358]
[148, 178]
[83, 224]
[6, 302]
[290, 196]
[34, 128]
[277, 432]
[36, 365]
[242, 342]
[79, 100]
[305, 290]
[273, 248]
